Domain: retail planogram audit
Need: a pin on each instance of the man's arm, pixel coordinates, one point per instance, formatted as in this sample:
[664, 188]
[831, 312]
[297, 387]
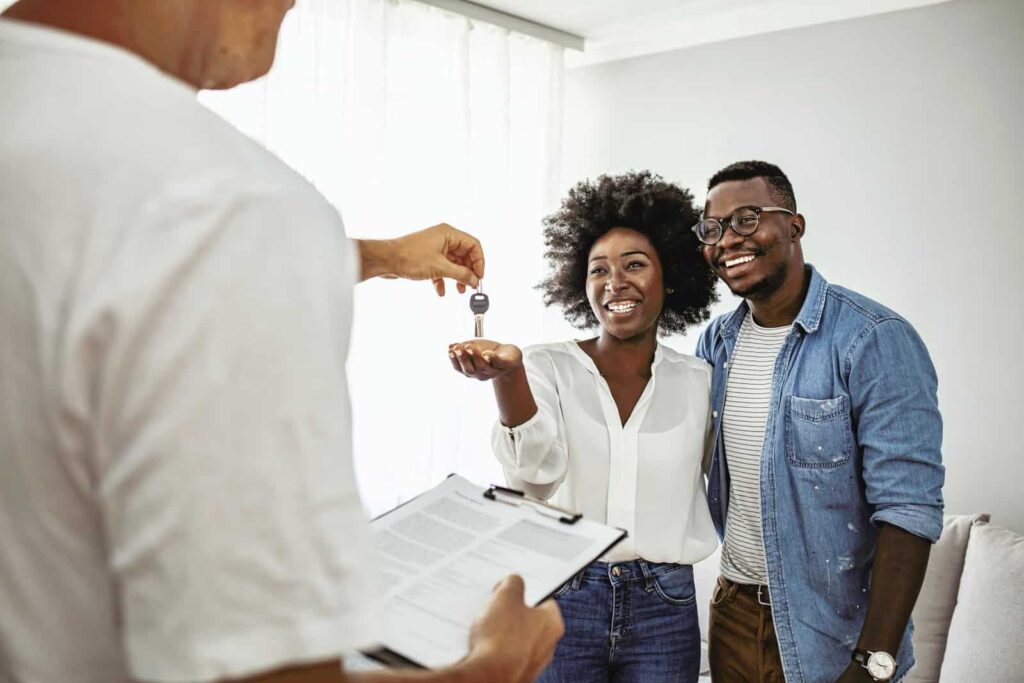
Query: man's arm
[433, 254]
[893, 389]
[900, 562]
[510, 643]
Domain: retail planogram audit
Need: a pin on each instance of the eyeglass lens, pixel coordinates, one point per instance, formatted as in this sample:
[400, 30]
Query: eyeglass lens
[743, 222]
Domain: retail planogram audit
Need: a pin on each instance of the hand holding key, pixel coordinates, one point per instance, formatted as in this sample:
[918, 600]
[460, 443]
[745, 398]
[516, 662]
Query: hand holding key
[484, 359]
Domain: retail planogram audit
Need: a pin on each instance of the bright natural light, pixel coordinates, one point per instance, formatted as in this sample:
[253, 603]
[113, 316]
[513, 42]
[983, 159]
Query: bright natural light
[419, 116]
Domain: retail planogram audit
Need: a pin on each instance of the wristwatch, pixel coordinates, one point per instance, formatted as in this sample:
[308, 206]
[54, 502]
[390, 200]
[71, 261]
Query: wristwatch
[881, 666]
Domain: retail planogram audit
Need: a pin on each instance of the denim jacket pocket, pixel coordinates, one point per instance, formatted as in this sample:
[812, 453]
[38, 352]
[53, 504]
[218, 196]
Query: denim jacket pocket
[818, 432]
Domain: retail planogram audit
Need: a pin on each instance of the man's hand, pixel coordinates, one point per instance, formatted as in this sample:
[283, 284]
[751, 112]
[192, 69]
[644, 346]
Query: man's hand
[512, 642]
[483, 359]
[433, 254]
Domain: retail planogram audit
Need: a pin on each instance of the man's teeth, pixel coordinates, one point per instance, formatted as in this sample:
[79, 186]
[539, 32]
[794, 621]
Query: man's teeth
[737, 261]
[623, 306]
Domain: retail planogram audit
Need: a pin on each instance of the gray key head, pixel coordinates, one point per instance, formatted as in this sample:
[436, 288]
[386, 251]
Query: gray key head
[479, 303]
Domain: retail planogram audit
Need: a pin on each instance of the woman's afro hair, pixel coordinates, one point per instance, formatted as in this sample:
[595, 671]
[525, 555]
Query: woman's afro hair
[644, 202]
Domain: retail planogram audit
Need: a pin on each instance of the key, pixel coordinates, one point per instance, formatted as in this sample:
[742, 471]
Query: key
[479, 303]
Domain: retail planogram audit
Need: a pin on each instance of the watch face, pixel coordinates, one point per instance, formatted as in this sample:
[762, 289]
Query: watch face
[881, 665]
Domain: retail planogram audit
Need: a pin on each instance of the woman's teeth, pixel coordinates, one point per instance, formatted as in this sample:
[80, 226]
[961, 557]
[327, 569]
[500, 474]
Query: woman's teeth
[623, 306]
[737, 261]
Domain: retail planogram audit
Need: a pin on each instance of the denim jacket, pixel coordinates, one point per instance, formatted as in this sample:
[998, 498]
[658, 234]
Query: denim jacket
[853, 439]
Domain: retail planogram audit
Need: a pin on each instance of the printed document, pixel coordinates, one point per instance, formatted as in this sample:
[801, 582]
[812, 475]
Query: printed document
[443, 552]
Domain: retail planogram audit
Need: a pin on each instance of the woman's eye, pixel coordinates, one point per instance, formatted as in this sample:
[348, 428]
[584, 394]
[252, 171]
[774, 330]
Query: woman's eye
[597, 271]
[635, 264]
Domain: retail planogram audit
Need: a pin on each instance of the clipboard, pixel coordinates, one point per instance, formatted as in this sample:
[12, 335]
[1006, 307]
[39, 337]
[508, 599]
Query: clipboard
[517, 497]
[490, 533]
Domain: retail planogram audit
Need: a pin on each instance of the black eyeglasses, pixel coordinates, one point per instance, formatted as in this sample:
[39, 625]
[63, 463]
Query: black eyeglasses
[743, 221]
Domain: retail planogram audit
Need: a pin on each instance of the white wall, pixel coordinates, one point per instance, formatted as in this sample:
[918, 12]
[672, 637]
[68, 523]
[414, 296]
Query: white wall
[901, 134]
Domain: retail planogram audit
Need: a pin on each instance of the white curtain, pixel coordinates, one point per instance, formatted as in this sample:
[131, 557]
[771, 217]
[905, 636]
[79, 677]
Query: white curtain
[404, 116]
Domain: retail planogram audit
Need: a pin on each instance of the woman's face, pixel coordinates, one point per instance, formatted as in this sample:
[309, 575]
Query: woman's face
[624, 283]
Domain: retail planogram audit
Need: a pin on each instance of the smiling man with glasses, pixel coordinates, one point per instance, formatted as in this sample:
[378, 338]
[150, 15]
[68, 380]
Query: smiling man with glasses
[826, 478]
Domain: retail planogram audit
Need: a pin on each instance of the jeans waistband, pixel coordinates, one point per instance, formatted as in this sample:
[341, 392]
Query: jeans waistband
[623, 572]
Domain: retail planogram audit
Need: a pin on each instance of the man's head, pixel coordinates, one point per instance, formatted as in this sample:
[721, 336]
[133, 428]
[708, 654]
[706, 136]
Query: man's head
[741, 196]
[213, 44]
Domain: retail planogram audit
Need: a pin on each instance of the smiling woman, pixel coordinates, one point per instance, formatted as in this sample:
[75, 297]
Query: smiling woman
[642, 201]
[614, 426]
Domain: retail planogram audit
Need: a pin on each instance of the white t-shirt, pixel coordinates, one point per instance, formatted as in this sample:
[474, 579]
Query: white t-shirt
[748, 394]
[177, 499]
[644, 476]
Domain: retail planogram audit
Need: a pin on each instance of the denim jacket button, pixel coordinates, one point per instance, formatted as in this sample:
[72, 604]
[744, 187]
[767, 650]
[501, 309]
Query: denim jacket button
[714, 413]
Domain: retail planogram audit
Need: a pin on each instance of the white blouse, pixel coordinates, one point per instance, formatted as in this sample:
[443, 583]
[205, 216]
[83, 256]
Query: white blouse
[644, 476]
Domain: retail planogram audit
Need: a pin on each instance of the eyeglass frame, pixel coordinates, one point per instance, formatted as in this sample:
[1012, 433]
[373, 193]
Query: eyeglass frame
[758, 210]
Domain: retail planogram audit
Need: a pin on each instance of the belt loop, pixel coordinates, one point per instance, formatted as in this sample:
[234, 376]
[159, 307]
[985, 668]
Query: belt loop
[577, 580]
[645, 569]
[731, 589]
[760, 600]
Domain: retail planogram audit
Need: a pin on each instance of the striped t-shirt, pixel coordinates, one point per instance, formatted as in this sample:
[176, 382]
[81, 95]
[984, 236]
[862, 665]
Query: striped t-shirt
[748, 393]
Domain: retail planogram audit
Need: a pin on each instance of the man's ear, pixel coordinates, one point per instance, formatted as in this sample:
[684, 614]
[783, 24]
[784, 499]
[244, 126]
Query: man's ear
[797, 227]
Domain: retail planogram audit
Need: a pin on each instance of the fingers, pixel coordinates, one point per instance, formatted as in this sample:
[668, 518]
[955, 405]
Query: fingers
[473, 359]
[455, 271]
[464, 358]
[439, 285]
[552, 616]
[466, 250]
[462, 258]
[510, 589]
[454, 359]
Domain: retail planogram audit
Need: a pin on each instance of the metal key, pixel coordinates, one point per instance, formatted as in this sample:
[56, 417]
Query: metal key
[479, 303]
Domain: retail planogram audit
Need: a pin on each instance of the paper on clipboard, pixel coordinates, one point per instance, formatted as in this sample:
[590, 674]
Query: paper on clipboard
[443, 552]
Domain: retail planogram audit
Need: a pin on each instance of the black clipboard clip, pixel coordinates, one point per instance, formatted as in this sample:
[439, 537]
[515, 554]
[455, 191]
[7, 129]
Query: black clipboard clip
[509, 496]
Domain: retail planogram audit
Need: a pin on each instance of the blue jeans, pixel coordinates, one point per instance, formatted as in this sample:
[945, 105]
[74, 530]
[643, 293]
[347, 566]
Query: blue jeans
[626, 622]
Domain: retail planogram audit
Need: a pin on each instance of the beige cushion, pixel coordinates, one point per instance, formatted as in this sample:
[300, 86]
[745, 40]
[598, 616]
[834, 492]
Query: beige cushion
[986, 635]
[937, 600]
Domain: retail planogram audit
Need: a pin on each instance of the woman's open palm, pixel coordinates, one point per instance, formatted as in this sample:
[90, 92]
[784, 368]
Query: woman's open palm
[484, 359]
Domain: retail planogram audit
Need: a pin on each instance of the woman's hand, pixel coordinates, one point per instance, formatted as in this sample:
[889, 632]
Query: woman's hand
[484, 359]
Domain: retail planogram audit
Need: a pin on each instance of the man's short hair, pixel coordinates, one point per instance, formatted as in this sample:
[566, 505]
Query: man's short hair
[778, 183]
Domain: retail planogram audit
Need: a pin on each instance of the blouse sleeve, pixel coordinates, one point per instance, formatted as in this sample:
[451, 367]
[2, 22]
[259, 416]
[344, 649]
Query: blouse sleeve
[534, 454]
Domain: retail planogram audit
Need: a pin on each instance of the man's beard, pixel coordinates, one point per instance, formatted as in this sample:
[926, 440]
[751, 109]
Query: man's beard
[764, 287]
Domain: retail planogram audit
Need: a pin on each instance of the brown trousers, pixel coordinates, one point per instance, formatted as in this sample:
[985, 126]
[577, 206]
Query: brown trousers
[741, 637]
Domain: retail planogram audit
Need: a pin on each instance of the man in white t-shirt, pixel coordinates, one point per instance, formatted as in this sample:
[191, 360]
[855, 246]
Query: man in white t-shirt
[177, 501]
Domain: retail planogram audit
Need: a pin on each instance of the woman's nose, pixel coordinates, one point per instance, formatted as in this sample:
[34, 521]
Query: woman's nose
[614, 284]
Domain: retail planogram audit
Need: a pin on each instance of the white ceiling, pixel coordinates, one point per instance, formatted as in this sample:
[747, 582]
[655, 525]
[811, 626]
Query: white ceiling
[619, 29]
